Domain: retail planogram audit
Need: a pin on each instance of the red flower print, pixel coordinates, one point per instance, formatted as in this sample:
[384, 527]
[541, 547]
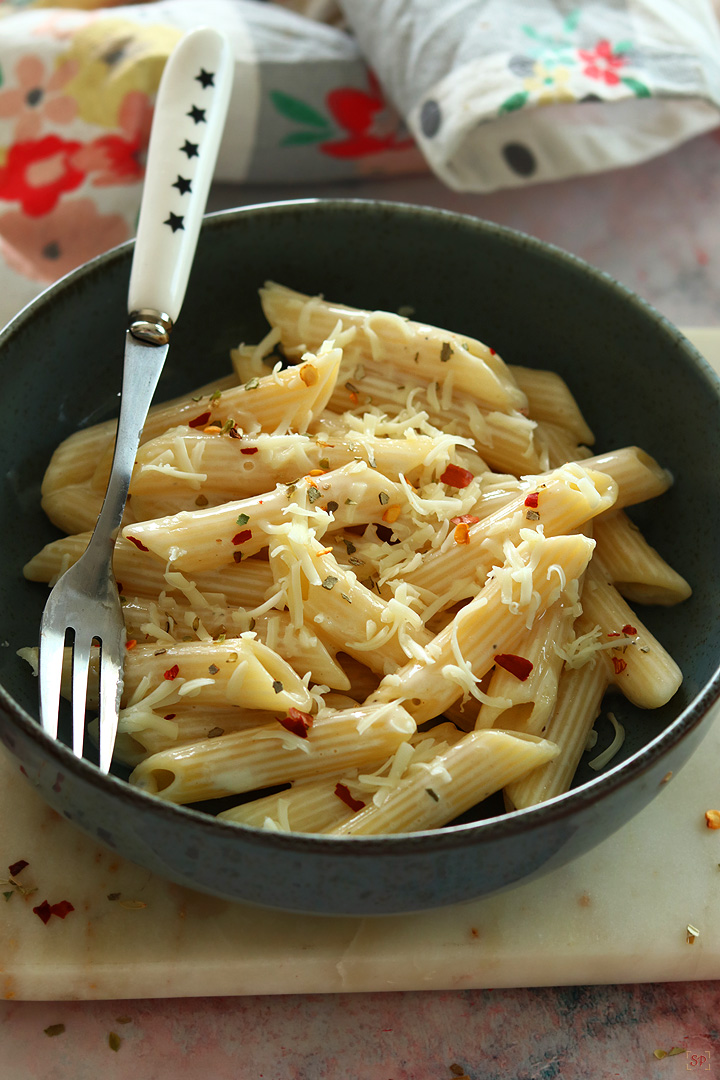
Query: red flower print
[45, 248]
[371, 126]
[602, 63]
[35, 174]
[120, 159]
[36, 99]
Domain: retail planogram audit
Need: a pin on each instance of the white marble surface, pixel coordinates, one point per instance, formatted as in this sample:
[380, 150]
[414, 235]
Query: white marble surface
[617, 915]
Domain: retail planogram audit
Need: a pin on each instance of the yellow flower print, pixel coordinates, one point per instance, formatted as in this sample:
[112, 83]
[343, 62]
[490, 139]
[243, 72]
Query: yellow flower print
[116, 56]
[549, 87]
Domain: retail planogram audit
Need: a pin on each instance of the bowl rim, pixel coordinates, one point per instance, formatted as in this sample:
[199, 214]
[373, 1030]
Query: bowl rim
[498, 827]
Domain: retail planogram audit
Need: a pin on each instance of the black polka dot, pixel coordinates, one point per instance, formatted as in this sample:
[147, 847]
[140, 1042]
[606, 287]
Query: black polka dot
[51, 250]
[589, 98]
[520, 158]
[522, 65]
[430, 118]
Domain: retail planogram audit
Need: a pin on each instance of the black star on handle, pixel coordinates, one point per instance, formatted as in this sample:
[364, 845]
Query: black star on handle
[190, 148]
[198, 115]
[205, 78]
[182, 185]
[175, 222]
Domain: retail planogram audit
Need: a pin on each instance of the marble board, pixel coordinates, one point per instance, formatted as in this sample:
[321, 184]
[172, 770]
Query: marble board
[618, 914]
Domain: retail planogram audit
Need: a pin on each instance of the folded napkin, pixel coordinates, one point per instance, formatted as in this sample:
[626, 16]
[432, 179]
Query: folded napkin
[487, 93]
[500, 93]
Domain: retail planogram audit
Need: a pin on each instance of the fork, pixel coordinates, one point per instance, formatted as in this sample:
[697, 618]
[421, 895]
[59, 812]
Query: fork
[189, 118]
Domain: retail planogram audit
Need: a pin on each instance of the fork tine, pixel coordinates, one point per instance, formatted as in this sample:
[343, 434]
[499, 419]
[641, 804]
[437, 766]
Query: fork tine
[52, 645]
[80, 664]
[111, 683]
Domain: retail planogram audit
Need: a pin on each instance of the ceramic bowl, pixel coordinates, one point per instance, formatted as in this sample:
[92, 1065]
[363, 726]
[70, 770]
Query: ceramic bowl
[639, 382]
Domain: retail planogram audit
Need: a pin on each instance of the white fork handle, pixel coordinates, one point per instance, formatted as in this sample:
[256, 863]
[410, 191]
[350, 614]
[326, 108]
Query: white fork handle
[187, 127]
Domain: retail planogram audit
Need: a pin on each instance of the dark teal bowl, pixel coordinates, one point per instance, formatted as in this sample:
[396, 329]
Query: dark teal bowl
[639, 382]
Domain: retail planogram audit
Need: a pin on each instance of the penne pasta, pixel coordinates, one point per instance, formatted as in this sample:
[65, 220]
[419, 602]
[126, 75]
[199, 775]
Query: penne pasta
[394, 530]
[580, 693]
[394, 343]
[481, 763]
[270, 754]
[636, 569]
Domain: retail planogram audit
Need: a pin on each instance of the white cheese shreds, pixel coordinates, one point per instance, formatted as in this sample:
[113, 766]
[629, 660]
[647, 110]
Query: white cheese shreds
[607, 755]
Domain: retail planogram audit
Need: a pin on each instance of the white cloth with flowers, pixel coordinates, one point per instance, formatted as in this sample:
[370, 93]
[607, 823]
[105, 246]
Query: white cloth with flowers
[486, 93]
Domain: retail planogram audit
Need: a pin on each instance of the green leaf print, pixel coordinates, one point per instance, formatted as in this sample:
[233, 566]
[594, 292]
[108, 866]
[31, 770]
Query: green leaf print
[298, 111]
[623, 47]
[302, 138]
[514, 102]
[639, 89]
[570, 24]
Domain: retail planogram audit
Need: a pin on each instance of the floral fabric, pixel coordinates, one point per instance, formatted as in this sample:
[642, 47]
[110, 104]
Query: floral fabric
[502, 94]
[487, 94]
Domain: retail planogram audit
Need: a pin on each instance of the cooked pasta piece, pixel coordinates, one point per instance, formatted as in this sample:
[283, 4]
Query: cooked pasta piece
[481, 763]
[636, 569]
[580, 693]
[536, 574]
[640, 667]
[210, 538]
[394, 343]
[550, 399]
[273, 754]
[533, 696]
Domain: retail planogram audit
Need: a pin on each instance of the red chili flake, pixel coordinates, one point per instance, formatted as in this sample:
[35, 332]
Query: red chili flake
[457, 477]
[464, 519]
[131, 643]
[45, 911]
[137, 543]
[241, 537]
[170, 716]
[343, 793]
[532, 500]
[200, 420]
[248, 450]
[629, 630]
[492, 352]
[18, 867]
[518, 666]
[614, 633]
[619, 664]
[63, 908]
[297, 722]
[172, 673]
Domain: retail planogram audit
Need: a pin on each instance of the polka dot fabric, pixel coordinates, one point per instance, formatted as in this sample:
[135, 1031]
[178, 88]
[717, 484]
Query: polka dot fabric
[501, 95]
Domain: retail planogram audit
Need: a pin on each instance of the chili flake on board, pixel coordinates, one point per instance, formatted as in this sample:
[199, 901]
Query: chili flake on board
[171, 673]
[45, 911]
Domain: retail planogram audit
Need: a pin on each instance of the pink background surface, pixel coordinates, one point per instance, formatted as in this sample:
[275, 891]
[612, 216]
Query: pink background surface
[655, 227]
